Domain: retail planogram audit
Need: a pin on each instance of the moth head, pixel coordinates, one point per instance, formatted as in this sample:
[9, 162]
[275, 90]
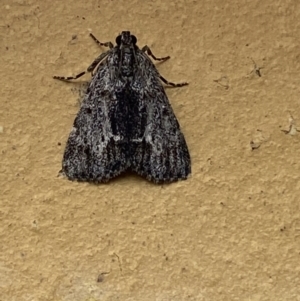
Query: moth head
[125, 38]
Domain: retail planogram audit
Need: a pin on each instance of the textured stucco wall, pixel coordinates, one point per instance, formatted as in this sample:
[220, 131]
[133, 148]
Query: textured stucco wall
[230, 232]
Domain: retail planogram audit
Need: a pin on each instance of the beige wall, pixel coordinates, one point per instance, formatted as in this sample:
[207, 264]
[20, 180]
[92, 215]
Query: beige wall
[230, 232]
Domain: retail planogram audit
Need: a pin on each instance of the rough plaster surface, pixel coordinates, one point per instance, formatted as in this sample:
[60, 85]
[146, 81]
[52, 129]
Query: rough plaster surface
[230, 232]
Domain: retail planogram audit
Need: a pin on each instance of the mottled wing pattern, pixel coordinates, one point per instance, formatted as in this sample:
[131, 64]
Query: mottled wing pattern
[160, 151]
[96, 148]
[125, 121]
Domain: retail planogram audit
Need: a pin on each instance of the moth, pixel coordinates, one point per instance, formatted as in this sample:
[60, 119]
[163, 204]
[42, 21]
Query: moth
[125, 121]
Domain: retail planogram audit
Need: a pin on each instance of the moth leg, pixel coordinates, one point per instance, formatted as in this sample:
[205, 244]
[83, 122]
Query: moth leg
[149, 52]
[69, 77]
[106, 44]
[91, 68]
[172, 84]
[96, 62]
